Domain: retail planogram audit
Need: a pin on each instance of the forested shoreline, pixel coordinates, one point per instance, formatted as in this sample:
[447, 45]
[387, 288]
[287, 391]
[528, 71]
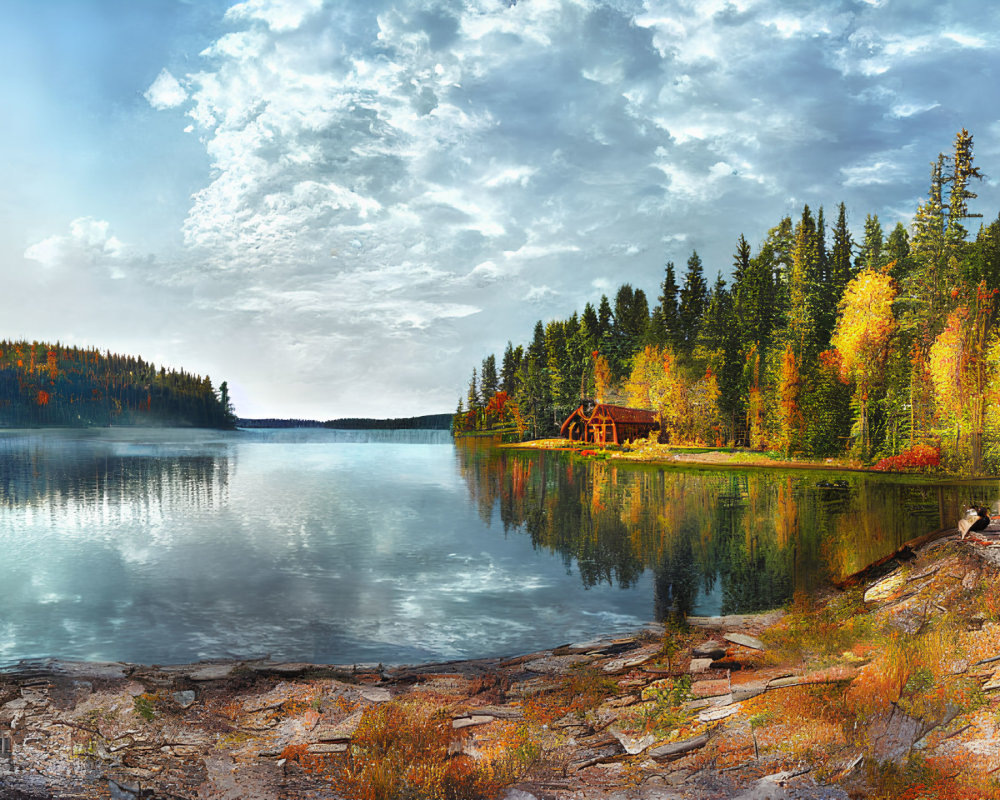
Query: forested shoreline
[45, 385]
[820, 345]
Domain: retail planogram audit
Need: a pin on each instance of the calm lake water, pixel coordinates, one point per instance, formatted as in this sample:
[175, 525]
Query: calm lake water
[165, 546]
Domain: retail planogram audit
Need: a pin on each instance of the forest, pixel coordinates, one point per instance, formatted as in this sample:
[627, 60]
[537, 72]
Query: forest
[53, 385]
[882, 349]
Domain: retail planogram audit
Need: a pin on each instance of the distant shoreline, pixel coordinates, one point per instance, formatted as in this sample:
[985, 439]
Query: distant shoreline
[440, 422]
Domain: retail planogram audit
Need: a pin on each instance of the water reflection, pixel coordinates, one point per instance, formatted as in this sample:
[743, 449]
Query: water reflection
[716, 541]
[88, 476]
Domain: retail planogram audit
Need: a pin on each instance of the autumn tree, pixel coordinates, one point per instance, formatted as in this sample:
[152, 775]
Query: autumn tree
[960, 371]
[861, 337]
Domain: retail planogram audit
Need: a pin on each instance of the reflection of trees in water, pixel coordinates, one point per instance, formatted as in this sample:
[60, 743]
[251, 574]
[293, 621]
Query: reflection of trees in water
[87, 476]
[753, 536]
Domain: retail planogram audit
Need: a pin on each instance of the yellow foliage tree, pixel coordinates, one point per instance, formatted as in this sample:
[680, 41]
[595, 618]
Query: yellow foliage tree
[962, 360]
[655, 383]
[864, 328]
[602, 377]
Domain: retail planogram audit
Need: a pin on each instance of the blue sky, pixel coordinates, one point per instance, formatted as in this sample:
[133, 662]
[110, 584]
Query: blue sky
[342, 207]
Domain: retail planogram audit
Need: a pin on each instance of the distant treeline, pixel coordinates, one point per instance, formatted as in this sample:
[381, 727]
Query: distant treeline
[279, 423]
[436, 422]
[52, 385]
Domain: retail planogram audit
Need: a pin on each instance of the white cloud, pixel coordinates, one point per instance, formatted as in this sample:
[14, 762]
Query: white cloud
[165, 92]
[279, 15]
[89, 241]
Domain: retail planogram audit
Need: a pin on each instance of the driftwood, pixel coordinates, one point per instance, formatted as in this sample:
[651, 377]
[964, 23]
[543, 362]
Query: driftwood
[904, 553]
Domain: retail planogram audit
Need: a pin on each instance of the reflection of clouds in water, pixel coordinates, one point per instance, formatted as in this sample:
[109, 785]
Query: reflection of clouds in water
[332, 552]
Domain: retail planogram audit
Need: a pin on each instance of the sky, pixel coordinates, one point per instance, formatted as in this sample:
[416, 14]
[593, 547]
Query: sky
[340, 207]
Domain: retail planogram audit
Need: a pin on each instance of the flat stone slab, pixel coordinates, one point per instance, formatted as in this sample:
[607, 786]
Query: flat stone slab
[375, 694]
[737, 620]
[710, 688]
[700, 665]
[327, 749]
[714, 713]
[340, 731]
[711, 649]
[634, 660]
[674, 749]
[469, 722]
[212, 672]
[993, 683]
[885, 587]
[557, 665]
[744, 640]
[633, 743]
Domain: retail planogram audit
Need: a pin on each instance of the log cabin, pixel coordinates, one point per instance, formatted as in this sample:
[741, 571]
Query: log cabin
[608, 424]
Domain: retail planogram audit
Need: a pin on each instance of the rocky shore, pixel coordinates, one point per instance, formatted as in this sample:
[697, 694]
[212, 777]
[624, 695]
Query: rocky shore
[886, 687]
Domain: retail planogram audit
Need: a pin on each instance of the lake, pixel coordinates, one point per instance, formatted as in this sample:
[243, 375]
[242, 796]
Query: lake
[172, 546]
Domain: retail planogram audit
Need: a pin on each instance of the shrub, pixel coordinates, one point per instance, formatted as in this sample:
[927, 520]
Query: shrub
[920, 457]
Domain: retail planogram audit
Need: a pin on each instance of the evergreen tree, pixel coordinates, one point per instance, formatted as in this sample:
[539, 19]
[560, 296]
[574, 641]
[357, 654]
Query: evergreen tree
[870, 255]
[691, 309]
[897, 248]
[488, 380]
[839, 273]
[472, 397]
[801, 327]
[590, 325]
[603, 317]
[963, 171]
[508, 370]
[664, 326]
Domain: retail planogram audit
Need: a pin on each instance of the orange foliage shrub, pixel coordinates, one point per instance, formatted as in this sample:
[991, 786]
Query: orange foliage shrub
[403, 750]
[919, 457]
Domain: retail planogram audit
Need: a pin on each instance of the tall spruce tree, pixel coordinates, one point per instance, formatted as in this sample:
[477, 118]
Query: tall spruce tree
[691, 309]
[664, 325]
[488, 378]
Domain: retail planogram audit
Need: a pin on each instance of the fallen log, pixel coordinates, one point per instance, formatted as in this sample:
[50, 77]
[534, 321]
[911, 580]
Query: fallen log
[904, 552]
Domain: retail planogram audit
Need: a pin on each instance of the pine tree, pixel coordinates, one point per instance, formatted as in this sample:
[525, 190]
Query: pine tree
[664, 325]
[691, 309]
[963, 171]
[870, 254]
[488, 381]
[472, 398]
[508, 370]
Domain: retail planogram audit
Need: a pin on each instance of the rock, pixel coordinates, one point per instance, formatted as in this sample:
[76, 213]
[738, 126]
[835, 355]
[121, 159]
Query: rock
[622, 664]
[744, 640]
[993, 683]
[340, 731]
[781, 683]
[700, 665]
[212, 672]
[710, 688]
[517, 794]
[556, 665]
[711, 649]
[184, 699]
[885, 587]
[717, 713]
[674, 749]
[327, 748]
[375, 694]
[893, 735]
[633, 743]
[468, 722]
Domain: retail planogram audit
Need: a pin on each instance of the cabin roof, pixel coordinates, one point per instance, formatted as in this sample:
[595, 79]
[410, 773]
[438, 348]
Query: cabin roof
[618, 414]
[624, 414]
